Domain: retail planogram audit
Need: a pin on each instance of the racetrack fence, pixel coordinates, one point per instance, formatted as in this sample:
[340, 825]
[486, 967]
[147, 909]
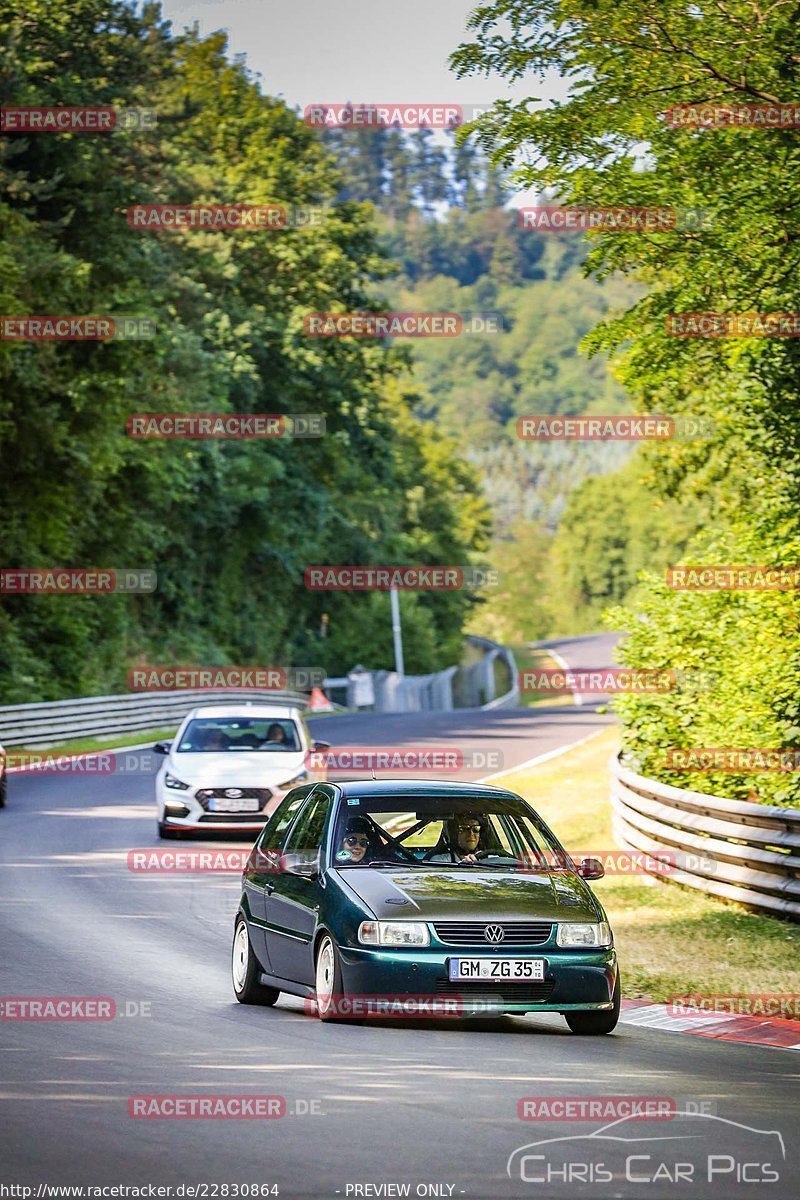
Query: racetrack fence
[749, 853]
[100, 716]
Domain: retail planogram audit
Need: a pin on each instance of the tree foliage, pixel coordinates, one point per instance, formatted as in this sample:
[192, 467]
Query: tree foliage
[609, 144]
[228, 526]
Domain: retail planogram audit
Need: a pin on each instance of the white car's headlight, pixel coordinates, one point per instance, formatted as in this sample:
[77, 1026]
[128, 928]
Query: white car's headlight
[295, 781]
[394, 933]
[176, 784]
[573, 934]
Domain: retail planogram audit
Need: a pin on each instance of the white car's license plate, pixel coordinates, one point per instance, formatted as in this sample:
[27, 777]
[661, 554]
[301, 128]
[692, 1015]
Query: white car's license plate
[240, 804]
[467, 970]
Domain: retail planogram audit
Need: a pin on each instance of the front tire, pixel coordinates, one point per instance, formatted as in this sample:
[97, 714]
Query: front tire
[245, 970]
[327, 980]
[3, 790]
[596, 1021]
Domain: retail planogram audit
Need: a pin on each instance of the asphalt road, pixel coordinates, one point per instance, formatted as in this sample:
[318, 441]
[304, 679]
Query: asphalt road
[385, 1103]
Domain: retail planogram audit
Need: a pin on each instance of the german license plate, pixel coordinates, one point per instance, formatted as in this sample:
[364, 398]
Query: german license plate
[240, 804]
[467, 970]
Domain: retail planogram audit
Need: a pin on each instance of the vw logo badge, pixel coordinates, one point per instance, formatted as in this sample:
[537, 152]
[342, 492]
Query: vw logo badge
[494, 933]
[233, 793]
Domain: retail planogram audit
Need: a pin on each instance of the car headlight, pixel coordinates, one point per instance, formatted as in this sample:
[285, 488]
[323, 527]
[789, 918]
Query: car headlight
[573, 934]
[296, 781]
[394, 933]
[176, 784]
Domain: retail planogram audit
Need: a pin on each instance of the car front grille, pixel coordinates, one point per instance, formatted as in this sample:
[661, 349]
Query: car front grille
[498, 993]
[228, 818]
[263, 795]
[473, 933]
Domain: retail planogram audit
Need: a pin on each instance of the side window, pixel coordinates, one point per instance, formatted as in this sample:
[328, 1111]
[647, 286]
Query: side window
[306, 837]
[282, 818]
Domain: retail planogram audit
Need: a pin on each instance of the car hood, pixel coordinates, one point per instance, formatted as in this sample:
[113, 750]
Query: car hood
[469, 894]
[236, 768]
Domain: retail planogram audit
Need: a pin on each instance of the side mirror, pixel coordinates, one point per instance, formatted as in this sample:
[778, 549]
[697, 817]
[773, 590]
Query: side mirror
[301, 864]
[318, 747]
[162, 747]
[591, 868]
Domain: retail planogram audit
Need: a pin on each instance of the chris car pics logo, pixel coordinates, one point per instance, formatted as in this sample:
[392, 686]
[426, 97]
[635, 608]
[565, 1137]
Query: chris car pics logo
[699, 1149]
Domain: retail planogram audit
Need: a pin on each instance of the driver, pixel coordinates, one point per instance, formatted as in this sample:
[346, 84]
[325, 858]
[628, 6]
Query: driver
[461, 839]
[464, 834]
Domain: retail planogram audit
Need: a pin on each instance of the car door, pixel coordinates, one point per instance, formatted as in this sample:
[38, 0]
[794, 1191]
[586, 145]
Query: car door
[263, 864]
[294, 902]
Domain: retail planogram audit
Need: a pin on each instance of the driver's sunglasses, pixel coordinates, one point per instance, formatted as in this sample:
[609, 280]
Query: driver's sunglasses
[470, 828]
[354, 840]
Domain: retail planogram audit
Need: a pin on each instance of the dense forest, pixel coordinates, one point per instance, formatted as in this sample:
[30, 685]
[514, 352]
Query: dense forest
[442, 211]
[229, 526]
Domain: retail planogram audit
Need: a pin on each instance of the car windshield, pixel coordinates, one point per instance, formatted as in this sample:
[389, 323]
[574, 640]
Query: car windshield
[444, 831]
[212, 735]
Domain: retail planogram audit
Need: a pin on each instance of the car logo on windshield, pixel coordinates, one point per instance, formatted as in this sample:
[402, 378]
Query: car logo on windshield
[494, 933]
[233, 793]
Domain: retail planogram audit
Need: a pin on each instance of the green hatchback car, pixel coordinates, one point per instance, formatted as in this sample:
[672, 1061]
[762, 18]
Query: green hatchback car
[399, 898]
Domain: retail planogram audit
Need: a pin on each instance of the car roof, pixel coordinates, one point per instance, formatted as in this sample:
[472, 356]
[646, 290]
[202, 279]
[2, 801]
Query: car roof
[245, 709]
[418, 787]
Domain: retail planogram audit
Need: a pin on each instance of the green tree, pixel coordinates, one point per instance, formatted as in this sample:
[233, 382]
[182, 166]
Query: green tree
[609, 144]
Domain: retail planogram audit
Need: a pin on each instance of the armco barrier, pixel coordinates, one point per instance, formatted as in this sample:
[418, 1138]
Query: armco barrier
[97, 716]
[471, 685]
[740, 851]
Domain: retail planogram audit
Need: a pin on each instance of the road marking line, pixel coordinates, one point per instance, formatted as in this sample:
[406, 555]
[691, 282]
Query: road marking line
[540, 758]
[577, 698]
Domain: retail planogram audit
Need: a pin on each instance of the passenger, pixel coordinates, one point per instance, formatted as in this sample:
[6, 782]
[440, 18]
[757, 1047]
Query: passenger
[357, 842]
[215, 739]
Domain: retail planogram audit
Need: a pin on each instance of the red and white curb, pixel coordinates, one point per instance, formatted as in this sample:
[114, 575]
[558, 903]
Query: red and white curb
[766, 1031]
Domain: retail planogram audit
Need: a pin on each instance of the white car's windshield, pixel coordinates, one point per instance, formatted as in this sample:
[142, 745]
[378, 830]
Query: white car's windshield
[213, 735]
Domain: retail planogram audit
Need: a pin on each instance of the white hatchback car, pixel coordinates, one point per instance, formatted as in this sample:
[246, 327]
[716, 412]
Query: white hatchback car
[230, 765]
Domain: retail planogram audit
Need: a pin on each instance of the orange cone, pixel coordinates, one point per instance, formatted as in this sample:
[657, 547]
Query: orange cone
[319, 702]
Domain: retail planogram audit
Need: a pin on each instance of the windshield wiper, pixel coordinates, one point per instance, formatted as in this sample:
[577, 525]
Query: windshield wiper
[387, 862]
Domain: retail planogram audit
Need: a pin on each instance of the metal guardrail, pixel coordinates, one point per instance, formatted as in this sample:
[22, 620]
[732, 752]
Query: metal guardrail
[494, 651]
[49, 723]
[739, 851]
[471, 685]
[97, 716]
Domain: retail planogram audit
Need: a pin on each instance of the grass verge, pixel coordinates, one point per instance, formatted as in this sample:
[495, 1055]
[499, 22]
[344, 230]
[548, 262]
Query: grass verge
[670, 940]
[136, 737]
